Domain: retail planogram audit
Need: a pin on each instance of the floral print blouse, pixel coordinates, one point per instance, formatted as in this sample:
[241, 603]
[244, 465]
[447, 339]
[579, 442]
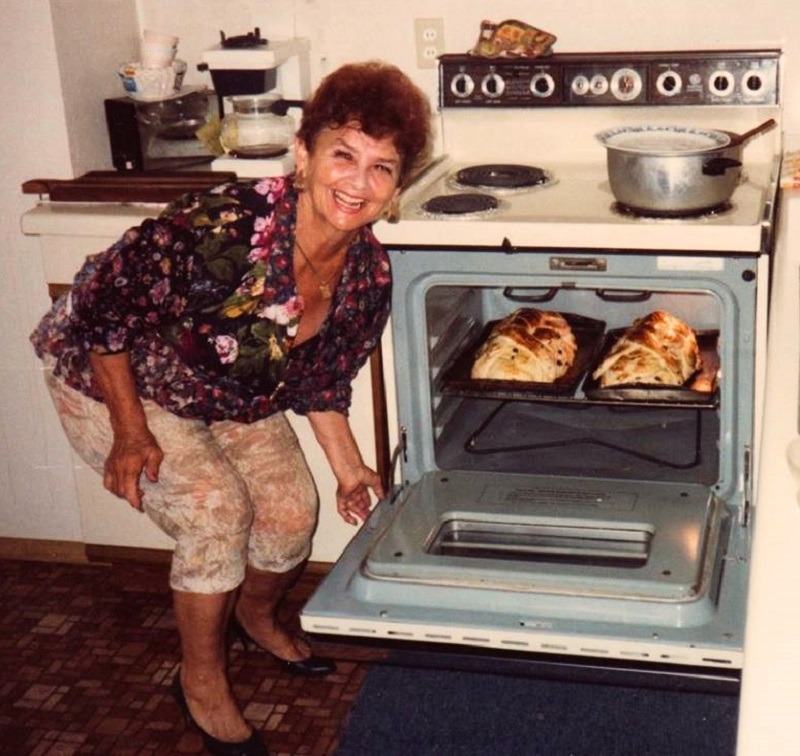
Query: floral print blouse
[204, 299]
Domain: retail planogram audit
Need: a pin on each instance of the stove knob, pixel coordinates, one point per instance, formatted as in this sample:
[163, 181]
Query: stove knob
[542, 85]
[669, 83]
[721, 83]
[462, 85]
[753, 83]
[493, 85]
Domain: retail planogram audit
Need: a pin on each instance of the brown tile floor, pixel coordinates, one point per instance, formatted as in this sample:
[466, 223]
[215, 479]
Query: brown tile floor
[87, 654]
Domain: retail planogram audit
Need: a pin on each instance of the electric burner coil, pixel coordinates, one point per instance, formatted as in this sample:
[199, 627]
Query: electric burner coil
[465, 203]
[501, 176]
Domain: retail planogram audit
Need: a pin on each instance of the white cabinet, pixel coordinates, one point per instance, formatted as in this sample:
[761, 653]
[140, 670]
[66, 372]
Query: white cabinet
[67, 233]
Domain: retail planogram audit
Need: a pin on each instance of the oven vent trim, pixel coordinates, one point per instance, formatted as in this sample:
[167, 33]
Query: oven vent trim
[652, 650]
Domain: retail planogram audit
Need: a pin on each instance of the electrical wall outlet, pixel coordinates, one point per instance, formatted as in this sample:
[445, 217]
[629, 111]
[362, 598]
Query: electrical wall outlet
[429, 40]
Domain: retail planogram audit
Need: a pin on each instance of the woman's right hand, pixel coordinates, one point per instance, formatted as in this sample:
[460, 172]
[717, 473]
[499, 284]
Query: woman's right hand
[132, 454]
[135, 449]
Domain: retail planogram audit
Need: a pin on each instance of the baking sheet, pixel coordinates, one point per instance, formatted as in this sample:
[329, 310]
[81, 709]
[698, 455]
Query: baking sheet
[588, 334]
[701, 388]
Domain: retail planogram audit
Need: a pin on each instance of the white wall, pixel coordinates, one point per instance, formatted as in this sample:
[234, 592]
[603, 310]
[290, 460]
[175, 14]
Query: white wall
[342, 30]
[52, 127]
[92, 39]
[37, 496]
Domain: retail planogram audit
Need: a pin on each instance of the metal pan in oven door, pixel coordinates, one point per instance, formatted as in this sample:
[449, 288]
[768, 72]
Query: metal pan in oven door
[700, 390]
[588, 334]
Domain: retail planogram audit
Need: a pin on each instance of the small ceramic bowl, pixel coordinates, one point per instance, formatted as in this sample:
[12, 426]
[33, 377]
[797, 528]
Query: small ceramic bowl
[142, 83]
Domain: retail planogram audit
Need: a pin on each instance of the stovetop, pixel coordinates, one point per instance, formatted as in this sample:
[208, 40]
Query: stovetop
[578, 209]
[545, 113]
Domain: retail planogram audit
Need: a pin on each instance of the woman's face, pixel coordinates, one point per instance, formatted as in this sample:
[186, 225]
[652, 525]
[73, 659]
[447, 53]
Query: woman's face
[350, 178]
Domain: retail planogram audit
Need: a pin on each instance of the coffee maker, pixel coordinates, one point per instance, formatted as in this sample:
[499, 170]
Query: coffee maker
[244, 66]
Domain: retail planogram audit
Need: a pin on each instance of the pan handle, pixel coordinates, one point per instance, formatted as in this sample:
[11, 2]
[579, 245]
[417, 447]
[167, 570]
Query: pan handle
[610, 295]
[718, 165]
[740, 139]
[280, 107]
[545, 296]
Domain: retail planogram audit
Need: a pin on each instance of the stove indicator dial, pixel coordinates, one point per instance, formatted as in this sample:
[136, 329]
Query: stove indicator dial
[598, 85]
[580, 85]
[626, 84]
[462, 85]
[753, 83]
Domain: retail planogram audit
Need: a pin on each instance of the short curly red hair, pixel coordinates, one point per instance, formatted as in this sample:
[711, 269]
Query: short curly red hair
[384, 102]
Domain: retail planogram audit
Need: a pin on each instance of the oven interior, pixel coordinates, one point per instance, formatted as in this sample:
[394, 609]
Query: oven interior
[570, 428]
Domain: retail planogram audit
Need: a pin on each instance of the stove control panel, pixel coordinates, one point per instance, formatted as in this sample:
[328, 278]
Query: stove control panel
[581, 79]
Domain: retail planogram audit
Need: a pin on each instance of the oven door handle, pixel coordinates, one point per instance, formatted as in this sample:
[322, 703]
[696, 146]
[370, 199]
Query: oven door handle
[611, 295]
[510, 292]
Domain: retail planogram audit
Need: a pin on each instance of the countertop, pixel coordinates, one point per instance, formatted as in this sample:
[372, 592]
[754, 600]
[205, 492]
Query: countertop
[121, 186]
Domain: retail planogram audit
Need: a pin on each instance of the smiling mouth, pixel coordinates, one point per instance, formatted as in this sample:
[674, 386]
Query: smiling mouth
[351, 202]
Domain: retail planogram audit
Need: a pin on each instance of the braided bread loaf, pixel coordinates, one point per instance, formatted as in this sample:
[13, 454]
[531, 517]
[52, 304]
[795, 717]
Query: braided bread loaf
[657, 349]
[527, 345]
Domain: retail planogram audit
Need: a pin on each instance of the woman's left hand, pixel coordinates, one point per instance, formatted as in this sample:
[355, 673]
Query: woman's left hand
[355, 479]
[353, 499]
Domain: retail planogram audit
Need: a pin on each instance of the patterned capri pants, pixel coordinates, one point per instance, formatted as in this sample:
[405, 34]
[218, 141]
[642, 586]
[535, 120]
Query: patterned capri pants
[228, 493]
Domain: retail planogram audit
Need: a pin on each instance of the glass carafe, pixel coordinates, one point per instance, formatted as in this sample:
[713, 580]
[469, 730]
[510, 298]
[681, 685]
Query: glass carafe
[254, 128]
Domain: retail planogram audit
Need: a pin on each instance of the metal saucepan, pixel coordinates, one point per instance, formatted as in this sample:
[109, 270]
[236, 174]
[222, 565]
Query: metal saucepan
[673, 169]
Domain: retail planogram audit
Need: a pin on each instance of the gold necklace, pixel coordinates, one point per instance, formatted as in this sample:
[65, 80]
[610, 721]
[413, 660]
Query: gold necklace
[324, 286]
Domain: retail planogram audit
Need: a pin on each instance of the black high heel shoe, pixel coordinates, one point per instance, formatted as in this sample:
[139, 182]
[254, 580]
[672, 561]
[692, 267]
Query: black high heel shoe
[253, 746]
[313, 666]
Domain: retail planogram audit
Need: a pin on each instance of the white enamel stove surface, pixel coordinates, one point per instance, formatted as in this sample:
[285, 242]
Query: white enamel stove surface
[578, 209]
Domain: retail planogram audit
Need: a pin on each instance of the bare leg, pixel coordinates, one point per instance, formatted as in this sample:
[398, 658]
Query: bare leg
[201, 620]
[260, 596]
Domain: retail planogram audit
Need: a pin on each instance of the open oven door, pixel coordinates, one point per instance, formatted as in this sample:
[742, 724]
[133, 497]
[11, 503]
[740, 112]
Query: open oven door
[557, 568]
[562, 525]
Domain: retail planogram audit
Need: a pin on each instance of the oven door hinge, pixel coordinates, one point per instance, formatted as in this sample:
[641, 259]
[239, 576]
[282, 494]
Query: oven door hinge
[401, 450]
[744, 514]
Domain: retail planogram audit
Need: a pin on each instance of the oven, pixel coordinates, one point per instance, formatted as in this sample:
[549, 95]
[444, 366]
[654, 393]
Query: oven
[568, 522]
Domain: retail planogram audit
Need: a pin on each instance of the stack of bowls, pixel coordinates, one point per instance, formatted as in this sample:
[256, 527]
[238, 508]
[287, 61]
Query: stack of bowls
[158, 73]
[158, 49]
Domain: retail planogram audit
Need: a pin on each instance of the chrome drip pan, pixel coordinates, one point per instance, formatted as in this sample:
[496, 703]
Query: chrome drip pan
[574, 543]
[554, 536]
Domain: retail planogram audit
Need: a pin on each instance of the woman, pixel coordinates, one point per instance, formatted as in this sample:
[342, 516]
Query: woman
[177, 350]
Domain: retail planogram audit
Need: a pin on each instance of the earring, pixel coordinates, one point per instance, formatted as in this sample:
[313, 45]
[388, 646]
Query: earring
[300, 181]
[392, 213]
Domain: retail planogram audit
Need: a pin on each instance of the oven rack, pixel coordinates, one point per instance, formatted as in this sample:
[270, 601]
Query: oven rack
[472, 444]
[618, 396]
